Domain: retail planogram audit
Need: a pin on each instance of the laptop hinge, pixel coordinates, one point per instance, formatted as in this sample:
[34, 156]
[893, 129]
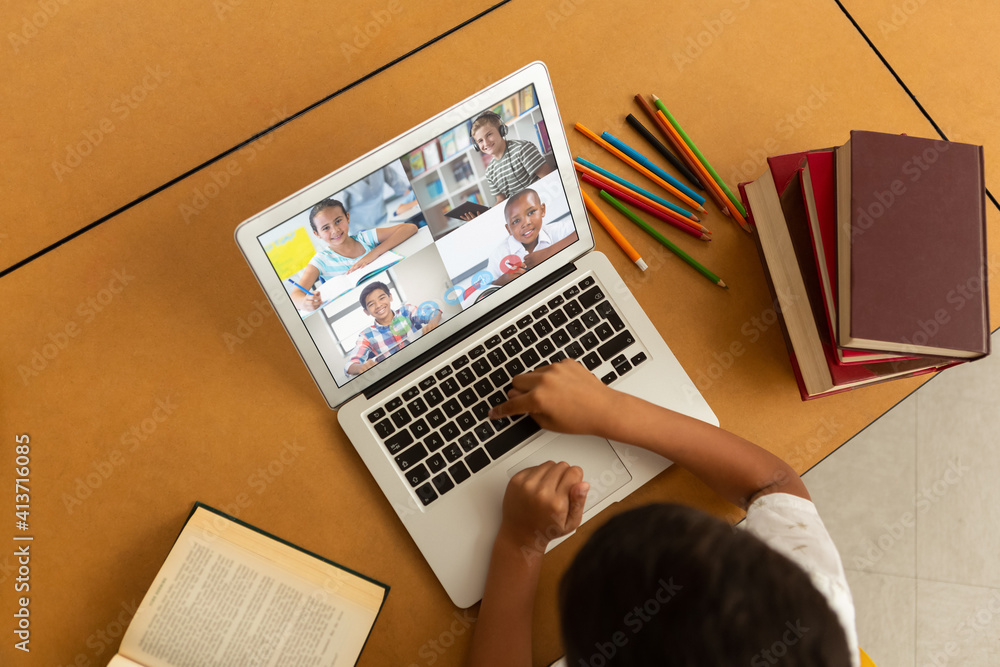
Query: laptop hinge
[460, 335]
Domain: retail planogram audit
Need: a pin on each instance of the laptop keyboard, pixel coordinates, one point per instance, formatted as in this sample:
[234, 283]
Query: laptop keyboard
[437, 430]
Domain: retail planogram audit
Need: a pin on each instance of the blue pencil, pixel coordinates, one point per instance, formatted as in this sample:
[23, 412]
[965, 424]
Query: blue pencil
[645, 193]
[648, 164]
[300, 287]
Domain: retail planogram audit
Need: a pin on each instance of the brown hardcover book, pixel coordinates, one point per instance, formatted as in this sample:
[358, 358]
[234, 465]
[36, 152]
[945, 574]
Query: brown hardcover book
[911, 246]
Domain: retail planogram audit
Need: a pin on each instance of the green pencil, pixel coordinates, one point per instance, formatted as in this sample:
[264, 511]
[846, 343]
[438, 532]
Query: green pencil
[662, 239]
[694, 149]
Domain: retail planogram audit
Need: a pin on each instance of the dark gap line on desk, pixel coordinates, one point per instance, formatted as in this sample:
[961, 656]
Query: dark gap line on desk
[209, 162]
[904, 86]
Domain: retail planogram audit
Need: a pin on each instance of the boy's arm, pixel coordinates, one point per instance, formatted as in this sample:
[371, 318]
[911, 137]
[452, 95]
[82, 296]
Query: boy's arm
[355, 365]
[533, 259]
[541, 503]
[566, 397]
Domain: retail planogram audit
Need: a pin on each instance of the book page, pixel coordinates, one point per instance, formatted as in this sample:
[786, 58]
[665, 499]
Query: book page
[230, 596]
[341, 285]
[121, 661]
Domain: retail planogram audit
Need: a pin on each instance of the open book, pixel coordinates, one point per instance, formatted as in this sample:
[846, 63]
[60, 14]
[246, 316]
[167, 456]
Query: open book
[229, 594]
[338, 286]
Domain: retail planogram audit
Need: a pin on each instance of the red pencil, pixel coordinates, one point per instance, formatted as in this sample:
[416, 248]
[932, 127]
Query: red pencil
[625, 196]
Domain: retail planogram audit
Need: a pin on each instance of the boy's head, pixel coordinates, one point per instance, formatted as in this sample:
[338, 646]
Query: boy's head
[488, 134]
[328, 213]
[376, 301]
[671, 585]
[524, 212]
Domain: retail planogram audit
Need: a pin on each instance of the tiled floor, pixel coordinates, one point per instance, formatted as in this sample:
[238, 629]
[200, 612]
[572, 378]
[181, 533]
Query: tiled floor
[913, 504]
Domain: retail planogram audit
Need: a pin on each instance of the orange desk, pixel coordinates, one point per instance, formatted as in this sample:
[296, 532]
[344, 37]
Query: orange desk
[127, 329]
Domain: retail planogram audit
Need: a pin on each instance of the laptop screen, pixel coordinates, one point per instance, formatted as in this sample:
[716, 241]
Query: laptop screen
[376, 266]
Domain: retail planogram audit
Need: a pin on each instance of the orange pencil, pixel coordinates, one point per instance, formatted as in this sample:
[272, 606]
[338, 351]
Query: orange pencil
[582, 129]
[618, 187]
[613, 231]
[720, 196]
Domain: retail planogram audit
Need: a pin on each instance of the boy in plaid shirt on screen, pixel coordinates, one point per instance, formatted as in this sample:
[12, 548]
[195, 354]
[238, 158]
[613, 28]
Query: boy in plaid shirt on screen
[392, 330]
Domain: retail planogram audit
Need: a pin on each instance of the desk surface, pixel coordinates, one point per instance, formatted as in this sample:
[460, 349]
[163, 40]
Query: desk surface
[121, 355]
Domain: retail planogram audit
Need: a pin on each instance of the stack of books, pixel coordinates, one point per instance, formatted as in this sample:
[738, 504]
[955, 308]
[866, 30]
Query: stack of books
[875, 254]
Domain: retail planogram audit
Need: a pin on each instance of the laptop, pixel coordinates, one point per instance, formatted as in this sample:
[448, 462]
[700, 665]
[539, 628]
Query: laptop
[414, 373]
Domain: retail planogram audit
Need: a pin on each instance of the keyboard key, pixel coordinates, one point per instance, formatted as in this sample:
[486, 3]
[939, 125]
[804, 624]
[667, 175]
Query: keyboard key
[417, 407]
[419, 428]
[592, 361]
[586, 282]
[514, 367]
[639, 358]
[433, 397]
[484, 432]
[591, 319]
[433, 442]
[465, 377]
[427, 382]
[524, 321]
[497, 398]
[530, 358]
[573, 308]
[452, 452]
[571, 292]
[477, 352]
[481, 367]
[511, 437]
[509, 331]
[435, 463]
[483, 387]
[605, 308]
[574, 351]
[435, 418]
[461, 361]
[450, 431]
[376, 415]
[385, 428]
[443, 373]
[560, 337]
[411, 393]
[500, 424]
[410, 456]
[459, 472]
[527, 337]
[449, 386]
[575, 328]
[401, 417]
[493, 341]
[542, 328]
[591, 297]
[465, 420]
[482, 410]
[558, 318]
[540, 311]
[615, 321]
[417, 474]
[467, 397]
[393, 404]
[618, 360]
[615, 345]
[604, 331]
[545, 347]
[512, 347]
[623, 368]
[609, 378]
[496, 357]
[477, 460]
[452, 408]
[499, 377]
[589, 341]
[427, 494]
[557, 357]
[468, 442]
[399, 442]
[556, 302]
[443, 483]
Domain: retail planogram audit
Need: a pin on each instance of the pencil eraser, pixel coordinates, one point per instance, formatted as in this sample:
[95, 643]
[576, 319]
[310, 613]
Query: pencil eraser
[641, 264]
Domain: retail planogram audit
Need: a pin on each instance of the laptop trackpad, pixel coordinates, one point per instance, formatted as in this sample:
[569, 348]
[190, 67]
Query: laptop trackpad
[601, 465]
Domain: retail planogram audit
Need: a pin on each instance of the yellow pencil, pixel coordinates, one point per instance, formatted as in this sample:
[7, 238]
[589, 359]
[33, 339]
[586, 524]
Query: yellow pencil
[613, 231]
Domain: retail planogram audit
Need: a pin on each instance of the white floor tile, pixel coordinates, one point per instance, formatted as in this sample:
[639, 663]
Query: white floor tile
[957, 625]
[886, 617]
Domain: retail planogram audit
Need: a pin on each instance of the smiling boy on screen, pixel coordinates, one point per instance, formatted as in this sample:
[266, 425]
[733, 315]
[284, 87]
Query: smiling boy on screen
[530, 242]
[391, 331]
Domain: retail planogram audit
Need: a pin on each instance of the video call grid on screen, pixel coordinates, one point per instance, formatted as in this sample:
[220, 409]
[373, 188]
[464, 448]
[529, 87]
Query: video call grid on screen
[446, 265]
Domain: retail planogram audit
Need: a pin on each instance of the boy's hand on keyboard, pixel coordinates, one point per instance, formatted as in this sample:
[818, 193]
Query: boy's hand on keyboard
[541, 504]
[563, 397]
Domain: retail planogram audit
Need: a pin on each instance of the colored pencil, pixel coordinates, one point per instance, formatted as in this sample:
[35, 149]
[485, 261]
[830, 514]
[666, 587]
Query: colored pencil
[652, 166]
[685, 155]
[584, 171]
[664, 151]
[662, 239]
[635, 188]
[694, 149]
[629, 199]
[622, 242]
[582, 129]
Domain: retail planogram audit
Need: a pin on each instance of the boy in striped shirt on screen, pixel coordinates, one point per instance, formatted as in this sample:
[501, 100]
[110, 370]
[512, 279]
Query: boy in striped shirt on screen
[391, 331]
[516, 163]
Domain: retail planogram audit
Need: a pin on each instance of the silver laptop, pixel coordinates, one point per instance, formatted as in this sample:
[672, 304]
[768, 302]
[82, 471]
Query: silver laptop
[415, 347]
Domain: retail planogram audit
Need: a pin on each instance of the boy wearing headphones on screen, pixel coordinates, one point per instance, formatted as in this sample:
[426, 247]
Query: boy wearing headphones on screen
[516, 163]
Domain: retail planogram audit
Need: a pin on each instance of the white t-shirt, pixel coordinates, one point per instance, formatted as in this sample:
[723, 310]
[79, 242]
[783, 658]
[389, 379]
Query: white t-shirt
[550, 233]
